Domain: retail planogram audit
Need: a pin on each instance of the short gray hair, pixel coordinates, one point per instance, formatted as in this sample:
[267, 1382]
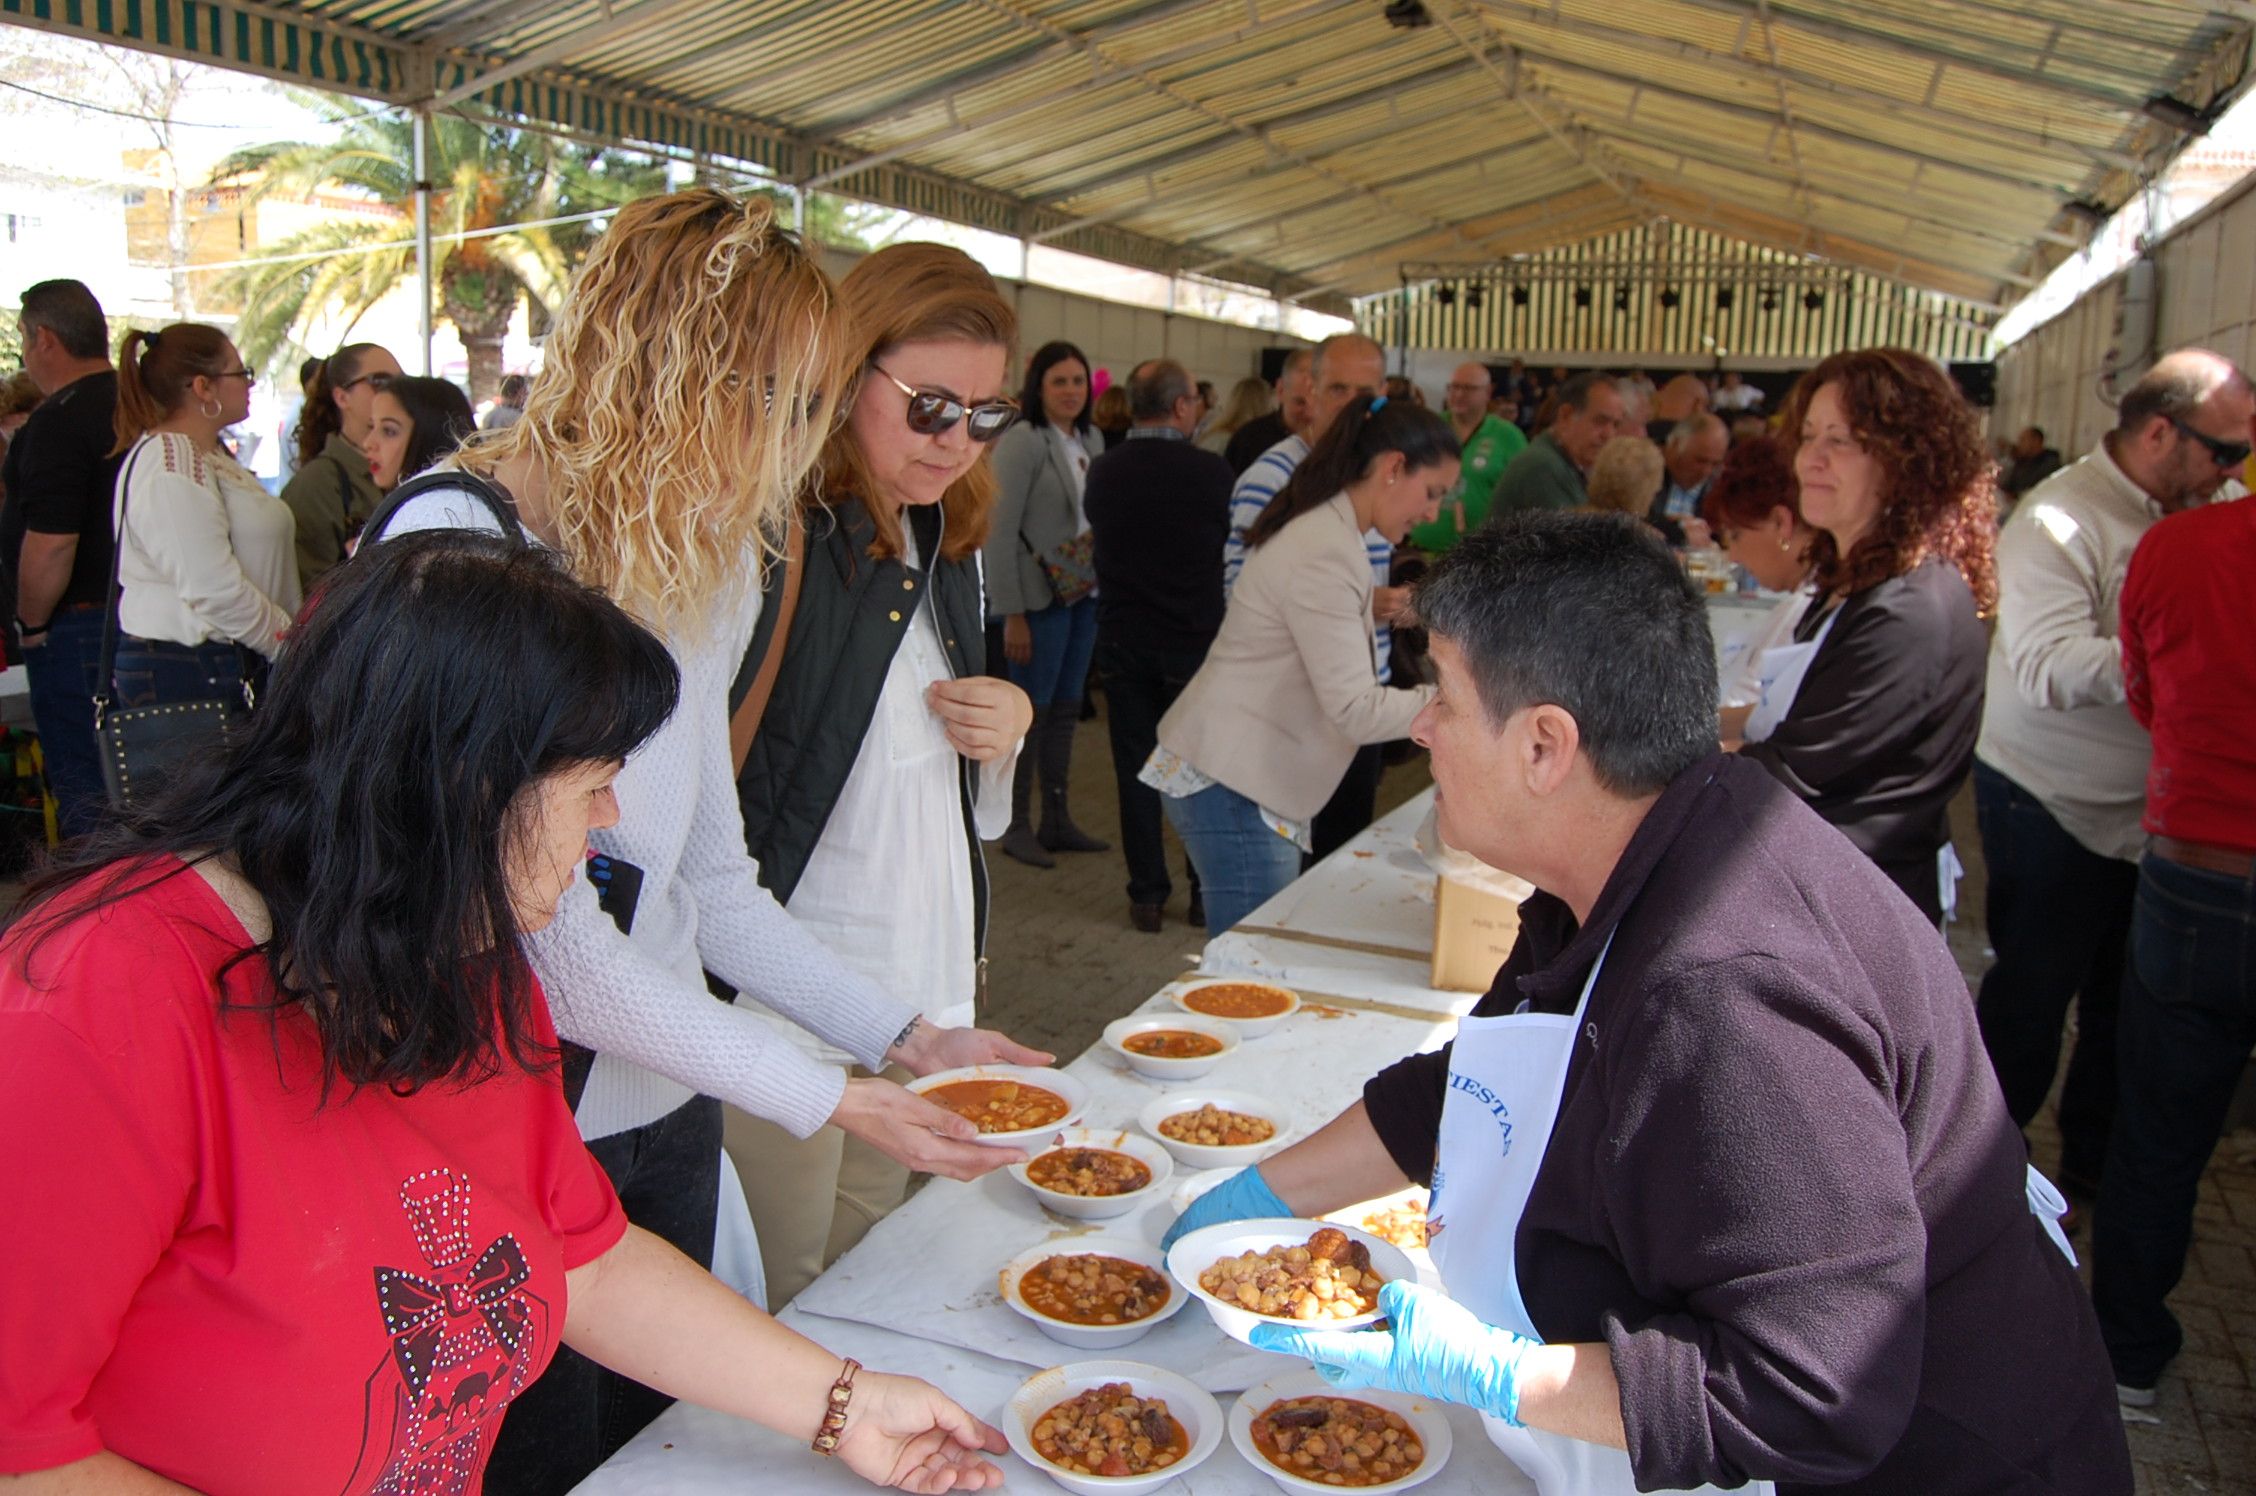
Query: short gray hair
[1154, 386]
[69, 311]
[1684, 432]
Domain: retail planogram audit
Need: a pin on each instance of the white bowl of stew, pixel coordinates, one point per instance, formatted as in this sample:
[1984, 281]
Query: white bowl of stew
[1194, 1255]
[1270, 1422]
[1190, 1418]
[1095, 1293]
[1252, 1008]
[1184, 1121]
[1171, 1046]
[1013, 1106]
[1094, 1173]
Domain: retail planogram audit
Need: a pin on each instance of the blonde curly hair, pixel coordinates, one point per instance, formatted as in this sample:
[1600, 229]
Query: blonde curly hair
[1626, 476]
[687, 390]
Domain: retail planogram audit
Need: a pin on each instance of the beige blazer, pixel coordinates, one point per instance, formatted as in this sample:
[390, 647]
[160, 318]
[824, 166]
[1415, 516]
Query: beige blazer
[1290, 688]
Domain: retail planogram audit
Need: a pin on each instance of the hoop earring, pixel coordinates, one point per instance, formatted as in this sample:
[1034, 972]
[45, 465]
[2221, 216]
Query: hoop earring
[210, 408]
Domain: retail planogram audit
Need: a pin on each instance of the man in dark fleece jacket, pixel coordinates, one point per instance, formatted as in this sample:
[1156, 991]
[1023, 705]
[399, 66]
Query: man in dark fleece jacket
[1780, 1230]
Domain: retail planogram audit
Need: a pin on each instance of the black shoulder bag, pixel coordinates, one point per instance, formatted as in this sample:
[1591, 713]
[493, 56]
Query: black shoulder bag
[143, 745]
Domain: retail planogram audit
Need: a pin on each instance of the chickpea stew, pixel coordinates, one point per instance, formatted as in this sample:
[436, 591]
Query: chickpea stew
[1110, 1431]
[1327, 1278]
[1097, 1173]
[1172, 1044]
[1337, 1441]
[1000, 1105]
[1237, 1000]
[1090, 1289]
[1215, 1127]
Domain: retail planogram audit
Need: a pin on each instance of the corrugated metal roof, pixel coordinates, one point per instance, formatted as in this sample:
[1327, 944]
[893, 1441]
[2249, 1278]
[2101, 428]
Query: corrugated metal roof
[1306, 144]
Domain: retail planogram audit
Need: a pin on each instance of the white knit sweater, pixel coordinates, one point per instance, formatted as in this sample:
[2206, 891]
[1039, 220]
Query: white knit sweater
[640, 1001]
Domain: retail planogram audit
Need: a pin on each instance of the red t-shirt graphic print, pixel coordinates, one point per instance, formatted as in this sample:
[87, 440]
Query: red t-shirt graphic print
[215, 1273]
[466, 1338]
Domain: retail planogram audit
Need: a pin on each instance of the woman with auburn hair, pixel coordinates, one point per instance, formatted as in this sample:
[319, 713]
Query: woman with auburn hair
[206, 576]
[885, 751]
[309, 1213]
[1754, 510]
[680, 408]
[331, 493]
[1879, 698]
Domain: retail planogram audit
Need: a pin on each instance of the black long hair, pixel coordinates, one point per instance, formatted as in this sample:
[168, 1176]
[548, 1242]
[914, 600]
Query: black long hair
[1046, 358]
[439, 416]
[374, 801]
[1371, 426]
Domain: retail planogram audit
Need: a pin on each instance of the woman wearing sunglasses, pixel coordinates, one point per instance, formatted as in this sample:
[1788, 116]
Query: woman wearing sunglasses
[332, 493]
[884, 750]
[1041, 585]
[204, 566]
[663, 491]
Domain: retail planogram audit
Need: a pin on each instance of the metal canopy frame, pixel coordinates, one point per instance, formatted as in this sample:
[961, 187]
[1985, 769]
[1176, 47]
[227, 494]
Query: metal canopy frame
[1283, 144]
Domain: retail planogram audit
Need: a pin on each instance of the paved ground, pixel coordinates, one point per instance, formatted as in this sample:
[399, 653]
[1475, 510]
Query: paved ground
[1064, 962]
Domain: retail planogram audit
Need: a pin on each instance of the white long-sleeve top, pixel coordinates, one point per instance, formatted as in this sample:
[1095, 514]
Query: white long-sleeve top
[889, 885]
[640, 1001]
[204, 552]
[2054, 716]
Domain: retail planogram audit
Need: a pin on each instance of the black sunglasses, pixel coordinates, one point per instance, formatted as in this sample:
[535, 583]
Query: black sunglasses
[2225, 454]
[931, 412]
[373, 381]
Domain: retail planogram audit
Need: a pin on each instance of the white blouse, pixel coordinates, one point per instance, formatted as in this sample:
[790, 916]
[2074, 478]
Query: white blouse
[889, 886]
[204, 553]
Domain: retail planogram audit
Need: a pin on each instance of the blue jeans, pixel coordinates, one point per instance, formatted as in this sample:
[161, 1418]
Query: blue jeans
[1241, 863]
[2059, 917]
[1064, 638]
[62, 706]
[153, 672]
[2182, 1041]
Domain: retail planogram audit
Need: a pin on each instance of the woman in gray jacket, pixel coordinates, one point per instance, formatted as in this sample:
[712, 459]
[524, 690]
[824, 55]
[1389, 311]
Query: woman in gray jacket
[1041, 586]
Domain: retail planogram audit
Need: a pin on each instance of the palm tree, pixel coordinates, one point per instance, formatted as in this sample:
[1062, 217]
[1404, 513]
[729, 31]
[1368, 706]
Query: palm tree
[491, 182]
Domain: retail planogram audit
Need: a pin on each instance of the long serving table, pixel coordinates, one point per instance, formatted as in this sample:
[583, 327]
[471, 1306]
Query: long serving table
[920, 1294]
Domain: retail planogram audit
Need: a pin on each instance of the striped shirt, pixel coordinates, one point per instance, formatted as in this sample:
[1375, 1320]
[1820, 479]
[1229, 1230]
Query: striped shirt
[1257, 485]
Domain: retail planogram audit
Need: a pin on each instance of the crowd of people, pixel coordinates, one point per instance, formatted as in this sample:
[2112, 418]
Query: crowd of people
[544, 734]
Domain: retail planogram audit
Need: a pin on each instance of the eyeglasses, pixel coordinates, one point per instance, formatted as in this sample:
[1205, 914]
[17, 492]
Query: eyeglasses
[373, 381]
[931, 412]
[243, 374]
[2225, 454]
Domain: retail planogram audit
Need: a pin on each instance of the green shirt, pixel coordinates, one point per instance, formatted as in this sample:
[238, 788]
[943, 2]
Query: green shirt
[1495, 442]
[1542, 477]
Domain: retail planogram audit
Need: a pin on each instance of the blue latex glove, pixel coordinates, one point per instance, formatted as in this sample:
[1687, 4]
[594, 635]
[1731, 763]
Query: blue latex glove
[1244, 1196]
[1436, 1348]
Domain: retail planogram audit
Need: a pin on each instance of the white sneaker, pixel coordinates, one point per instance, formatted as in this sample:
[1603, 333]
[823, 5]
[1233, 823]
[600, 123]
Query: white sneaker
[2134, 1397]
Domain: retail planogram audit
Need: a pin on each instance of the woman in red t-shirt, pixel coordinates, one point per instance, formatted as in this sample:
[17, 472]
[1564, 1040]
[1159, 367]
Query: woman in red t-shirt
[297, 1202]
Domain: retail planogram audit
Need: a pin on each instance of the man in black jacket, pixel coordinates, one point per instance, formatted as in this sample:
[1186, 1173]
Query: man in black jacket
[1159, 511]
[1296, 387]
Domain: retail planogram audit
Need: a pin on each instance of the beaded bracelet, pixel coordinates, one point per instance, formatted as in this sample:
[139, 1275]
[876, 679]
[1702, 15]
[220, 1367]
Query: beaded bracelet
[834, 1414]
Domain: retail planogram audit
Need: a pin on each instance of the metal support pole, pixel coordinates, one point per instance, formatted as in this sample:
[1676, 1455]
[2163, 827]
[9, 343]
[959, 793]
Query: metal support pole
[423, 231]
[1402, 331]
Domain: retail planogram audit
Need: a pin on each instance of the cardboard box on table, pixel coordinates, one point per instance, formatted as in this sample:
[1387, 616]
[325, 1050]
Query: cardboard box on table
[1474, 930]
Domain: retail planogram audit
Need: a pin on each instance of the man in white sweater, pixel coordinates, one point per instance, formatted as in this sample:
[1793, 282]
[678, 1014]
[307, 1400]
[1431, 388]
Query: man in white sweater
[2060, 769]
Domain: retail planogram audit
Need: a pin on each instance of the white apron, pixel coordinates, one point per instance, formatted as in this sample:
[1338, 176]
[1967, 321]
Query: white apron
[1506, 1078]
[1780, 670]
